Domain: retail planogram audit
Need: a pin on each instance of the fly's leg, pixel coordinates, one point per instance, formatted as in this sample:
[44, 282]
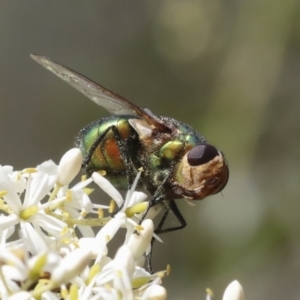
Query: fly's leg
[123, 148]
[173, 207]
[159, 230]
[157, 198]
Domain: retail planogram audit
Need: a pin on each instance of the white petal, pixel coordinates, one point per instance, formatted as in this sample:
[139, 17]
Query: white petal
[6, 233]
[48, 167]
[7, 222]
[42, 182]
[8, 169]
[234, 291]
[18, 180]
[53, 260]
[92, 244]
[86, 231]
[137, 197]
[124, 260]
[48, 223]
[11, 198]
[87, 204]
[32, 240]
[153, 211]
[48, 295]
[108, 188]
[72, 265]
[21, 295]
[108, 231]
[141, 272]
[8, 257]
[123, 272]
[80, 200]
[82, 184]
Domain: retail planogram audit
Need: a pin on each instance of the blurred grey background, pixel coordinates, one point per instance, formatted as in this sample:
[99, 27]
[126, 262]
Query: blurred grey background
[231, 69]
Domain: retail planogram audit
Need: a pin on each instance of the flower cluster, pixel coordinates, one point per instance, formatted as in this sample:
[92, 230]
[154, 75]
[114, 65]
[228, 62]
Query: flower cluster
[50, 249]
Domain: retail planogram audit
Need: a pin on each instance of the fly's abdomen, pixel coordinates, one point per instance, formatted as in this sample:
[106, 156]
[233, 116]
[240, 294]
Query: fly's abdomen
[106, 155]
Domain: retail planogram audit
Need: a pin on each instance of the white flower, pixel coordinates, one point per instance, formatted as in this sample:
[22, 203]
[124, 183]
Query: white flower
[29, 213]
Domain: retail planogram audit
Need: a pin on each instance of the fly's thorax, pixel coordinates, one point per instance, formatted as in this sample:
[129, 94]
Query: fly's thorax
[171, 149]
[199, 174]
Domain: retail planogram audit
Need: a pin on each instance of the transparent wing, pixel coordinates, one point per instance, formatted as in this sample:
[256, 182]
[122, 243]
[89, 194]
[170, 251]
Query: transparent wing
[112, 102]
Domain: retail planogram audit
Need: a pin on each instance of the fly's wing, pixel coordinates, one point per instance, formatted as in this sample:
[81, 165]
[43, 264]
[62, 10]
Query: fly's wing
[112, 102]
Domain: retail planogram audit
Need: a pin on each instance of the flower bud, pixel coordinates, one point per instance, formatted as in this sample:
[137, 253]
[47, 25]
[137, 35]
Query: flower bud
[138, 243]
[156, 292]
[69, 166]
[234, 291]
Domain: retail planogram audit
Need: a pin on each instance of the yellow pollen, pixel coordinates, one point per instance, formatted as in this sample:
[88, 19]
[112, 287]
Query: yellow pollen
[68, 196]
[168, 270]
[164, 273]
[66, 215]
[112, 206]
[64, 292]
[136, 209]
[102, 172]
[107, 286]
[38, 267]
[140, 281]
[100, 213]
[76, 244]
[83, 213]
[209, 292]
[88, 191]
[28, 212]
[73, 292]
[29, 171]
[65, 230]
[139, 227]
[66, 241]
[94, 270]
[2, 193]
[19, 253]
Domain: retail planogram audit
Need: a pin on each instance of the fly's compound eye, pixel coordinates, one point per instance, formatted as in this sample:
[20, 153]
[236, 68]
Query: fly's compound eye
[201, 154]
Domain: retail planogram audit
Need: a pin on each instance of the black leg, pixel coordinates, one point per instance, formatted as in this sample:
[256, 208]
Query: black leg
[173, 207]
[158, 196]
[88, 158]
[123, 147]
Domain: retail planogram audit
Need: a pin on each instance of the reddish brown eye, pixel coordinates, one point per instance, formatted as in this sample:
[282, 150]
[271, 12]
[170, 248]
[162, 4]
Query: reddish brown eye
[201, 154]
